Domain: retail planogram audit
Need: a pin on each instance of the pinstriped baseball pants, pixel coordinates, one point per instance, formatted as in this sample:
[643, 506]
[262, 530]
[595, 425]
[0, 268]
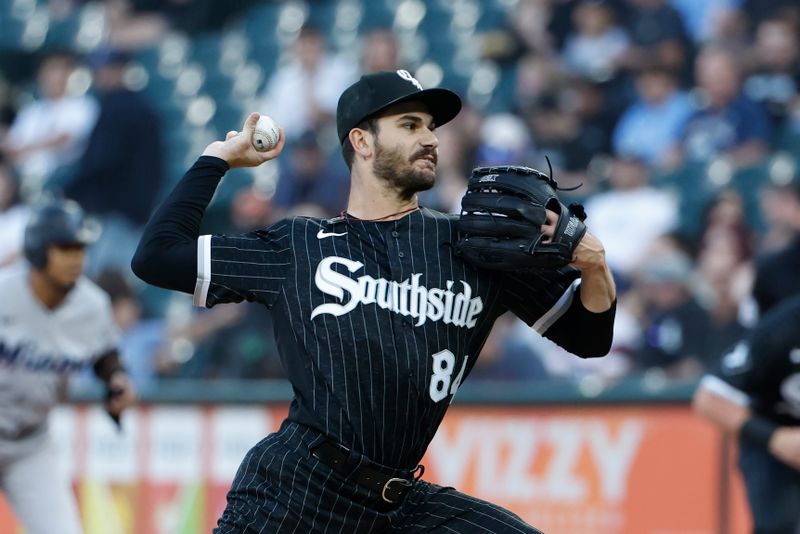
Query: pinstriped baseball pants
[281, 488]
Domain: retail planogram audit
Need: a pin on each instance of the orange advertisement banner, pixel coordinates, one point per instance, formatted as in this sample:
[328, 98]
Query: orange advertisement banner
[566, 470]
[604, 470]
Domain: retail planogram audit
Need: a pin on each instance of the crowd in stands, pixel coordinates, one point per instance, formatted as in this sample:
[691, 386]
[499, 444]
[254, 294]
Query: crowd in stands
[679, 119]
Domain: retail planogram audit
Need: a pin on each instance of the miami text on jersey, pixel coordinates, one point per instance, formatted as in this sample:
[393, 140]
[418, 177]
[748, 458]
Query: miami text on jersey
[406, 298]
[26, 356]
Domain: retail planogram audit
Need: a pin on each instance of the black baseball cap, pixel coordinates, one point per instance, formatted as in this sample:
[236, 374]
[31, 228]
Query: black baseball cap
[377, 91]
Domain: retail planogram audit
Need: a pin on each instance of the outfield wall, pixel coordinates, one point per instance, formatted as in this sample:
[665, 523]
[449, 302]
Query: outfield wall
[568, 468]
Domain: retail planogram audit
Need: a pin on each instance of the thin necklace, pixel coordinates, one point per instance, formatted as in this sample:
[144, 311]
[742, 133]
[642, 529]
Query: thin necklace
[345, 217]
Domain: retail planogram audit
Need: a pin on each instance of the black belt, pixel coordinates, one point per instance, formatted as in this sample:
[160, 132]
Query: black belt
[390, 489]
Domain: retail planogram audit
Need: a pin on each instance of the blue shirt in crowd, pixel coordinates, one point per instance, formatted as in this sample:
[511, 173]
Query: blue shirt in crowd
[648, 131]
[710, 132]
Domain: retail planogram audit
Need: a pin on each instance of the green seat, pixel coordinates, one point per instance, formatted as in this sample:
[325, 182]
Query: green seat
[749, 182]
[11, 34]
[63, 33]
[693, 190]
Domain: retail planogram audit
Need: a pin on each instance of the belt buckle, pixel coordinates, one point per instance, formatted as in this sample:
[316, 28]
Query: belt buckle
[402, 481]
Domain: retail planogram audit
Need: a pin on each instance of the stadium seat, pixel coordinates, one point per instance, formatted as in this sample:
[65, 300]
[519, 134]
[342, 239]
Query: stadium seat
[322, 15]
[218, 84]
[12, 33]
[455, 82]
[63, 33]
[493, 16]
[260, 22]
[693, 190]
[229, 115]
[749, 182]
[375, 14]
[206, 48]
[148, 58]
[788, 139]
[502, 98]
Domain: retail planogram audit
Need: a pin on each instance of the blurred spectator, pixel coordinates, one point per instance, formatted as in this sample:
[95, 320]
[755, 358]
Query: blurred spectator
[724, 269]
[759, 10]
[774, 73]
[446, 196]
[131, 26]
[379, 51]
[226, 341]
[13, 217]
[780, 207]
[572, 127]
[135, 24]
[506, 358]
[726, 213]
[6, 99]
[504, 140]
[593, 49]
[184, 353]
[250, 209]
[657, 35]
[675, 325]
[310, 183]
[777, 272]
[50, 132]
[527, 29]
[243, 349]
[560, 22]
[707, 20]
[726, 123]
[536, 78]
[533, 28]
[120, 174]
[459, 141]
[650, 127]
[303, 93]
[648, 213]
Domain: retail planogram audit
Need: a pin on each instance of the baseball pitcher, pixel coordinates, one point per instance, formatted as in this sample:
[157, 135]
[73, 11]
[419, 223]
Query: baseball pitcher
[381, 311]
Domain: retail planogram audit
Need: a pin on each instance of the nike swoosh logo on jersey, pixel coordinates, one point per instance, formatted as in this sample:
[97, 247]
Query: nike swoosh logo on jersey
[322, 234]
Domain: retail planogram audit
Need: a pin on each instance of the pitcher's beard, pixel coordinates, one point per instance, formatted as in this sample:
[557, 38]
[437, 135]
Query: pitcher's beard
[399, 173]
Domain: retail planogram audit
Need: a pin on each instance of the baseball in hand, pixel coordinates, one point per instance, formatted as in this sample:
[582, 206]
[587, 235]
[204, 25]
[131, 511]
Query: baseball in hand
[266, 134]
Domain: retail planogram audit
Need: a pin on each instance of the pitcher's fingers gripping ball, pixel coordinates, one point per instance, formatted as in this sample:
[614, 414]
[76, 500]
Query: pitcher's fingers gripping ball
[501, 221]
[266, 134]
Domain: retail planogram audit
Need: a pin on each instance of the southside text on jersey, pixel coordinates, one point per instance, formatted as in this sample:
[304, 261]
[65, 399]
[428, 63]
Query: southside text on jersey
[406, 298]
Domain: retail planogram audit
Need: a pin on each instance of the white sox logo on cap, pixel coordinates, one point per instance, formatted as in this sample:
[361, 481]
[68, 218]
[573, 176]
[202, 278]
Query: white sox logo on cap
[377, 91]
[408, 77]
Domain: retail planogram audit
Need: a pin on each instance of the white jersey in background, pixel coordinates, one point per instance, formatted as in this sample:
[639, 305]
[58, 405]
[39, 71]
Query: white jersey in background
[39, 347]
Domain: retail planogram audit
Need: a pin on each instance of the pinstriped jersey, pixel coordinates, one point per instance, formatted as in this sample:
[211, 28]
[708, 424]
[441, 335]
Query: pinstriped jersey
[377, 323]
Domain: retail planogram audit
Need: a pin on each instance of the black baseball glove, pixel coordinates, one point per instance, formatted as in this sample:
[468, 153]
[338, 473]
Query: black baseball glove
[501, 218]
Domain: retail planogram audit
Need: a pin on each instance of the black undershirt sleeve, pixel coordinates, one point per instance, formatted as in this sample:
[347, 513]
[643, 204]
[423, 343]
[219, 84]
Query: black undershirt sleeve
[583, 332]
[167, 252]
[108, 364]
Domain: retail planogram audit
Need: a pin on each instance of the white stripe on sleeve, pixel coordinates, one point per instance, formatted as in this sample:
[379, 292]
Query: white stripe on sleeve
[716, 385]
[203, 270]
[559, 308]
